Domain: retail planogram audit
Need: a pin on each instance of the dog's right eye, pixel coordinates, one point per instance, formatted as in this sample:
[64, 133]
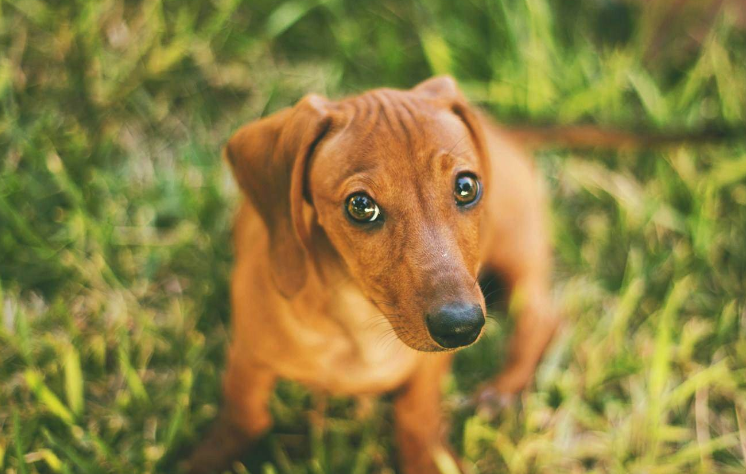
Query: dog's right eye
[362, 208]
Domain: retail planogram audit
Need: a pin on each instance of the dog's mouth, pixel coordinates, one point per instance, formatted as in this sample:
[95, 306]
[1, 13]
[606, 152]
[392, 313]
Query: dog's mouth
[447, 328]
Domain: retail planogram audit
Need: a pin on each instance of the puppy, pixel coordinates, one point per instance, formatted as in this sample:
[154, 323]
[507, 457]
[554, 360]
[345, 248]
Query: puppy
[368, 215]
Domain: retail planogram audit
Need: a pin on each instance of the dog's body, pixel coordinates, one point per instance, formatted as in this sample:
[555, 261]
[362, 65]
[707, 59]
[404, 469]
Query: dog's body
[348, 308]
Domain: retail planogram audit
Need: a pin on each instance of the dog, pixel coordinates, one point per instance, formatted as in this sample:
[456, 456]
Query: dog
[368, 215]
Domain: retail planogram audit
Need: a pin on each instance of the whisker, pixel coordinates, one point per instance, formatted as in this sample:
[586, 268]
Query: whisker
[491, 320]
[387, 303]
[495, 290]
[377, 324]
[386, 338]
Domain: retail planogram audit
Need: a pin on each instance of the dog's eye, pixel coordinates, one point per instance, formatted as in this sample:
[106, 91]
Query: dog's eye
[467, 189]
[362, 208]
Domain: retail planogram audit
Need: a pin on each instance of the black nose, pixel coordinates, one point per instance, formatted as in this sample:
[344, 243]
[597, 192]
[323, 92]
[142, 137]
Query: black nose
[455, 325]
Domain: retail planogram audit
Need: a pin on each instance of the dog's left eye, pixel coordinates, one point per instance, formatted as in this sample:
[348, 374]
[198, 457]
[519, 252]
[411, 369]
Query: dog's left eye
[467, 189]
[362, 208]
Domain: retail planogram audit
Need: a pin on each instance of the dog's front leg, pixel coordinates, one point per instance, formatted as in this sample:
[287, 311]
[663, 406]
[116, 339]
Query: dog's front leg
[536, 323]
[419, 427]
[243, 419]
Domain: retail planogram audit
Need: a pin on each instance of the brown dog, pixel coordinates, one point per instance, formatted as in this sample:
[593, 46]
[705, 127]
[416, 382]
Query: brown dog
[383, 207]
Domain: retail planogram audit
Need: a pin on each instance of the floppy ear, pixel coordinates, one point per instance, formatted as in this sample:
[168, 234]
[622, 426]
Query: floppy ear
[269, 159]
[444, 91]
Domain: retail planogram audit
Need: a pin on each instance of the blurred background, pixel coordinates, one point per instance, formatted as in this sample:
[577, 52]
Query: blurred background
[115, 215]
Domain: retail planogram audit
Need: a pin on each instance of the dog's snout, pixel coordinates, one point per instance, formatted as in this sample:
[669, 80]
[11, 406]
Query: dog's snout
[455, 325]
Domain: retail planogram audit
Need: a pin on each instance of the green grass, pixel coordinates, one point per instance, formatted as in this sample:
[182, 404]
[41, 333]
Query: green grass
[115, 213]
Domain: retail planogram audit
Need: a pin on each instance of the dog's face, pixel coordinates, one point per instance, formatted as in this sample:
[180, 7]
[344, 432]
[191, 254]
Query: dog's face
[398, 189]
[397, 180]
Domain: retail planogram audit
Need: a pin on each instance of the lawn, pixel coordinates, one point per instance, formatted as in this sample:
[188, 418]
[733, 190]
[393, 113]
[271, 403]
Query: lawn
[116, 209]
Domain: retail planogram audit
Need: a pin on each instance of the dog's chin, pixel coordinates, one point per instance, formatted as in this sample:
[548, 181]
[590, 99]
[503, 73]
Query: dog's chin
[431, 348]
[417, 340]
[426, 344]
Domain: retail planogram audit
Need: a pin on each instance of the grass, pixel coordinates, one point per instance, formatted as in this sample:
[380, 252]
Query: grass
[115, 212]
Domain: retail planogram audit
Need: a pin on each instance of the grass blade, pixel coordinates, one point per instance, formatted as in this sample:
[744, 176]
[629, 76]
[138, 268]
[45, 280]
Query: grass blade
[22, 469]
[79, 462]
[47, 398]
[133, 379]
[73, 380]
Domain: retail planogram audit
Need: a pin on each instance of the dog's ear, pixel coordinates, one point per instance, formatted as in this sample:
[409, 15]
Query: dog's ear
[444, 91]
[269, 158]
[439, 87]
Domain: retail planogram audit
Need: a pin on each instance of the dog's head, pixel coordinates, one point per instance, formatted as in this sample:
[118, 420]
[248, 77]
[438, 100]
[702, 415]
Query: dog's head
[396, 180]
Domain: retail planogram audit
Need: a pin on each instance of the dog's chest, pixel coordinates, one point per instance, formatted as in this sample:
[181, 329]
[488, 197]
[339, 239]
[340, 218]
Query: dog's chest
[356, 351]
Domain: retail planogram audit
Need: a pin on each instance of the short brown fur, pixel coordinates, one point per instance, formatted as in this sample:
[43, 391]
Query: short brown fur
[315, 296]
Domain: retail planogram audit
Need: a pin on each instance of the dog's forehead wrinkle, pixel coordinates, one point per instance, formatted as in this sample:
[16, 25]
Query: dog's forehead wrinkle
[389, 126]
[396, 118]
[400, 112]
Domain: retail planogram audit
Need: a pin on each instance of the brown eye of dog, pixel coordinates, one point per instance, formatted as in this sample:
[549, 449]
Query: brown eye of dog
[362, 208]
[467, 189]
